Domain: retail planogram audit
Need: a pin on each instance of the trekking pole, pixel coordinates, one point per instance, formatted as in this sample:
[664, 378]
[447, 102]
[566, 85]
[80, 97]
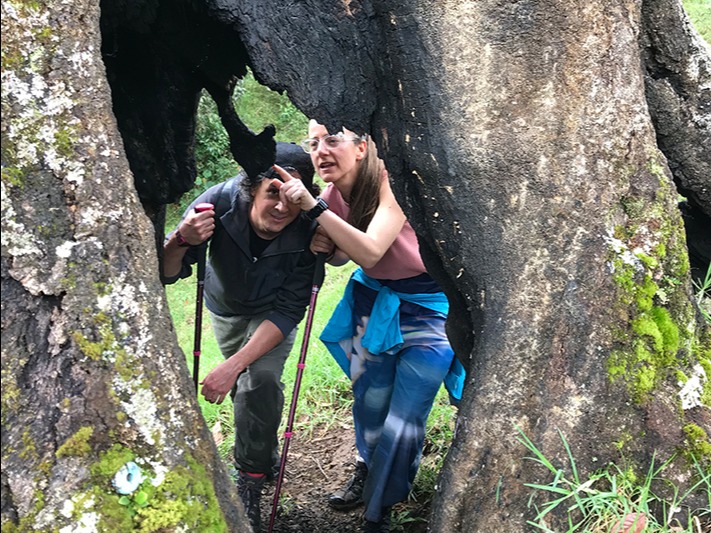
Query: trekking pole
[202, 253]
[317, 281]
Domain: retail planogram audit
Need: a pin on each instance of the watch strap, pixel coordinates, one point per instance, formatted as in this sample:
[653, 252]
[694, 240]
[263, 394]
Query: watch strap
[315, 211]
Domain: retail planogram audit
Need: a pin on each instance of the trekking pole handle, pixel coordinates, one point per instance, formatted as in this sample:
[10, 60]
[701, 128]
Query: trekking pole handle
[204, 206]
[200, 208]
[320, 271]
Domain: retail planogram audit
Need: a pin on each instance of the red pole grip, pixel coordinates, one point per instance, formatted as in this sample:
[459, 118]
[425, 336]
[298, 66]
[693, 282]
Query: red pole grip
[199, 208]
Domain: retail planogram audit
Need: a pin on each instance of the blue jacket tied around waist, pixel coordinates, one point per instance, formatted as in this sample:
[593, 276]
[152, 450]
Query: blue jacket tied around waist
[383, 331]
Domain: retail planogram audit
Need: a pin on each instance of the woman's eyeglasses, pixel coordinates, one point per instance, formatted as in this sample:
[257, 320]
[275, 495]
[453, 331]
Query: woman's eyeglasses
[330, 141]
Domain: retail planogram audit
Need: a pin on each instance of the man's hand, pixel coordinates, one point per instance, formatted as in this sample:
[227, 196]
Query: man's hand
[219, 382]
[321, 242]
[196, 228]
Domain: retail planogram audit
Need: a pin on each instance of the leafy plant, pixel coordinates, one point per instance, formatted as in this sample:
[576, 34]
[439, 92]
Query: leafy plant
[134, 501]
[401, 520]
[612, 500]
[703, 295]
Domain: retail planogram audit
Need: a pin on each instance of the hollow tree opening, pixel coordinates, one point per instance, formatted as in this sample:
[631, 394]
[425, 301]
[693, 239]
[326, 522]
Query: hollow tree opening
[531, 144]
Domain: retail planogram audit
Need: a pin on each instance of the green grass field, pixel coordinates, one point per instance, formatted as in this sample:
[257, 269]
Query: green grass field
[700, 14]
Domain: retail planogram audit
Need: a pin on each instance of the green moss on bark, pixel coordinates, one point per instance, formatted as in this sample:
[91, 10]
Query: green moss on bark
[698, 445]
[655, 338]
[185, 499]
[77, 445]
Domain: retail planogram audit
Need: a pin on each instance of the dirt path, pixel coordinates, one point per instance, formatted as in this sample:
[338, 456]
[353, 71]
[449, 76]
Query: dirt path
[317, 466]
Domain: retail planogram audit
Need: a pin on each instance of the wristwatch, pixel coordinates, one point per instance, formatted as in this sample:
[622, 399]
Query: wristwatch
[181, 240]
[316, 210]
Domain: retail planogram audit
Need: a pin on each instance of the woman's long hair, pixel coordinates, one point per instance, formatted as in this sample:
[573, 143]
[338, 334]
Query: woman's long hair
[365, 195]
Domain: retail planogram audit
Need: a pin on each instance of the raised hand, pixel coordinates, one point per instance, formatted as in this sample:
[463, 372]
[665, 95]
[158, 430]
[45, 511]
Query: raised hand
[293, 191]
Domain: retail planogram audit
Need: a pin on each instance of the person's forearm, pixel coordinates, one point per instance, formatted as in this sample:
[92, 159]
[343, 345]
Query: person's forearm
[366, 249]
[265, 338]
[339, 258]
[173, 257]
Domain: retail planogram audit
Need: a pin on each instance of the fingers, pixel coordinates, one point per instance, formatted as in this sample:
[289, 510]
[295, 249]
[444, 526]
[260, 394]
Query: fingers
[212, 396]
[319, 248]
[198, 227]
[285, 176]
[215, 399]
[321, 243]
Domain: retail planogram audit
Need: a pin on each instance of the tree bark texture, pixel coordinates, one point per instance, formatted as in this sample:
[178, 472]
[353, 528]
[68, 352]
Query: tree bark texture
[534, 145]
[92, 376]
[519, 138]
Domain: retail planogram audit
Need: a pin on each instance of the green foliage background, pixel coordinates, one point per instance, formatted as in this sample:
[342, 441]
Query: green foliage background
[258, 107]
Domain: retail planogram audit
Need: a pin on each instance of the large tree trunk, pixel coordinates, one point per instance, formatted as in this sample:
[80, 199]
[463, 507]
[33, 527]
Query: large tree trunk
[92, 376]
[519, 137]
[528, 142]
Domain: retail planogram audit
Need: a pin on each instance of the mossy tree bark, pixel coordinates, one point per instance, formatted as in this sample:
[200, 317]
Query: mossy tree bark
[92, 376]
[519, 138]
[530, 144]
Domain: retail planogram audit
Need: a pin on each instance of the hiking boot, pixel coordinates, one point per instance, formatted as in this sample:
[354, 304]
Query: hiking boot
[350, 496]
[249, 488]
[381, 526]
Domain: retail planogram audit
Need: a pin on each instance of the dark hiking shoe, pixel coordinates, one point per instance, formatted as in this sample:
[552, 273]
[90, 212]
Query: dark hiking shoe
[249, 489]
[381, 526]
[350, 496]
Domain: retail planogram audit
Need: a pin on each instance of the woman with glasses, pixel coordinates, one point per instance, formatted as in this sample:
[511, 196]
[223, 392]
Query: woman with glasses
[387, 333]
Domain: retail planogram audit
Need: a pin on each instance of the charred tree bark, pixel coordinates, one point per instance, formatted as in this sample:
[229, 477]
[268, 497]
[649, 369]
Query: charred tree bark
[531, 145]
[677, 68]
[159, 56]
[92, 376]
[678, 90]
[519, 137]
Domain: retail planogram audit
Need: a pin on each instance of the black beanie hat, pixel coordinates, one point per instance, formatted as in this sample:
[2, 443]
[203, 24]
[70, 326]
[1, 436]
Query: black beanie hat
[292, 155]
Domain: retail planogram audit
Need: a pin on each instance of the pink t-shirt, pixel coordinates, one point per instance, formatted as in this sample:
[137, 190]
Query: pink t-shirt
[402, 260]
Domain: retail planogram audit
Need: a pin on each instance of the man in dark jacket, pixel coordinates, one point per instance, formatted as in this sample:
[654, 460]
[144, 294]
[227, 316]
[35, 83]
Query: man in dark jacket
[257, 286]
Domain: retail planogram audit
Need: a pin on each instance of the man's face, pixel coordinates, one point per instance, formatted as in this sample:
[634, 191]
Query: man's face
[268, 215]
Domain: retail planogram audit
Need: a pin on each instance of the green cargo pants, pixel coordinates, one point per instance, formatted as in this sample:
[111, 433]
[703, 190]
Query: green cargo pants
[258, 396]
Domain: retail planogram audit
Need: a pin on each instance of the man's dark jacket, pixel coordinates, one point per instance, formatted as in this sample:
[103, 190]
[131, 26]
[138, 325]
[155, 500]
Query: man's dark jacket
[238, 284]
